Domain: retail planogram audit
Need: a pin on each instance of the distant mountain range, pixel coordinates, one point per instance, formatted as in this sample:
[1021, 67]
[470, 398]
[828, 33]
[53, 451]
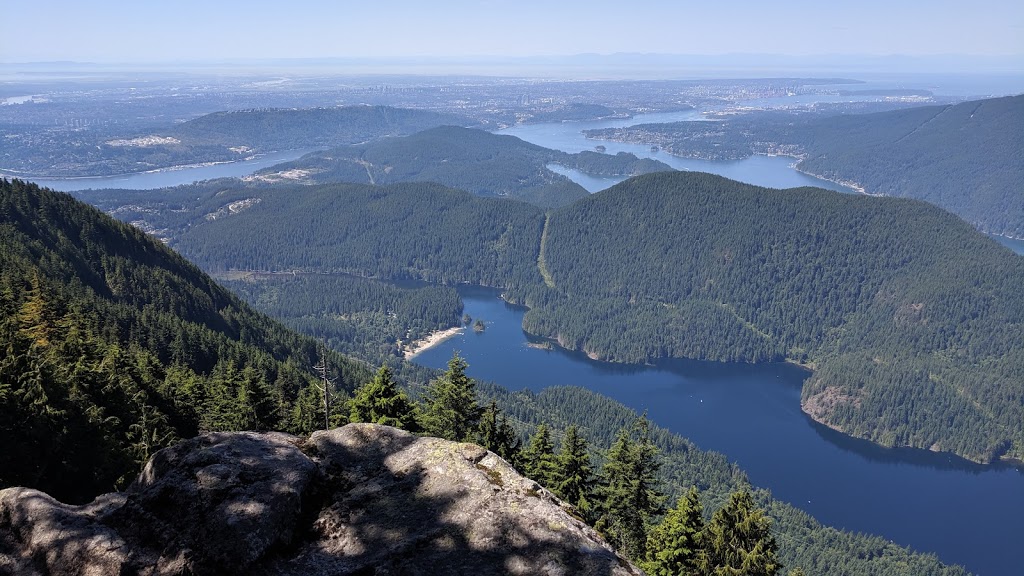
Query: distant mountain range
[222, 137]
[614, 65]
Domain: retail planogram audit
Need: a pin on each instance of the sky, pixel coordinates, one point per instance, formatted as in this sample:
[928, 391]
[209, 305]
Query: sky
[216, 30]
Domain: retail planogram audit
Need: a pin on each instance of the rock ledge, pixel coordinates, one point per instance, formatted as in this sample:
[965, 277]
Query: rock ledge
[362, 499]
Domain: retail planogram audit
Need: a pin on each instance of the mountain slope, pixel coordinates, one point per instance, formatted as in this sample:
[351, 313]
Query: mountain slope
[115, 346]
[282, 129]
[965, 158]
[912, 320]
[416, 230]
[474, 160]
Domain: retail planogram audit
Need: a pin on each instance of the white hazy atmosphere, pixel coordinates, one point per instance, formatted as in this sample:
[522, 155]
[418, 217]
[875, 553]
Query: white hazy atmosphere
[983, 34]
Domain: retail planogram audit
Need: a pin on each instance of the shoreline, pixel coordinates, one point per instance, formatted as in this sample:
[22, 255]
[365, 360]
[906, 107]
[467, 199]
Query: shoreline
[9, 173]
[5, 173]
[416, 347]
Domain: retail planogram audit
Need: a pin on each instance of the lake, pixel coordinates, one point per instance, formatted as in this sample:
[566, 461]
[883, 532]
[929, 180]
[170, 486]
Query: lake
[169, 176]
[965, 513]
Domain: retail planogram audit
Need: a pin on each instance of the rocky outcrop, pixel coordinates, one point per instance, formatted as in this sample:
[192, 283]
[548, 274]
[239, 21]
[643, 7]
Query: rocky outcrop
[363, 499]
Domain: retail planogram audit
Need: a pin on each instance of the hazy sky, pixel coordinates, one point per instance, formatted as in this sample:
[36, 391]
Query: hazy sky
[167, 30]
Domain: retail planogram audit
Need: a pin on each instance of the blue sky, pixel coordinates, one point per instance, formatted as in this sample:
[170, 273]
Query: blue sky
[171, 30]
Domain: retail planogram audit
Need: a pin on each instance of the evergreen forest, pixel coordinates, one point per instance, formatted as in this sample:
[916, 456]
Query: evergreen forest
[116, 346]
[910, 318]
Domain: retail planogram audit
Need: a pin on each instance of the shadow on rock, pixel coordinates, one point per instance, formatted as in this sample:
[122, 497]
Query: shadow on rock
[362, 499]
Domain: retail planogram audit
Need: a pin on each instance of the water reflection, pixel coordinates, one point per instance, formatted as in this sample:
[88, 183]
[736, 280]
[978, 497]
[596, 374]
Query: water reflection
[910, 456]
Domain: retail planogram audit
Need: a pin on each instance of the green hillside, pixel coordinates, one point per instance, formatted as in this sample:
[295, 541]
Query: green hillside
[283, 129]
[114, 346]
[965, 158]
[911, 319]
[480, 162]
[419, 231]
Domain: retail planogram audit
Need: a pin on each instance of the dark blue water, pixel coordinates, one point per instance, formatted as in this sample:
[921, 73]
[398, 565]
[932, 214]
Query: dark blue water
[965, 513]
[170, 176]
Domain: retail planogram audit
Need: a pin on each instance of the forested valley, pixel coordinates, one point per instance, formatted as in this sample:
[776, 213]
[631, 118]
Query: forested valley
[909, 316]
[115, 347]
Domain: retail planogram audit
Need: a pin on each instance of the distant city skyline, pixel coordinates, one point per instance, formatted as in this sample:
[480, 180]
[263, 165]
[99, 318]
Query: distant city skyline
[189, 30]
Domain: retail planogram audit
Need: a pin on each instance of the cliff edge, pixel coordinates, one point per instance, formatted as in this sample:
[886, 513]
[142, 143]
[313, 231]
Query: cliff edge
[362, 499]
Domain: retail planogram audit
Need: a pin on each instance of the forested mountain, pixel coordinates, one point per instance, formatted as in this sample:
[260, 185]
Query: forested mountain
[419, 231]
[114, 346]
[572, 113]
[283, 129]
[965, 158]
[912, 319]
[222, 137]
[474, 160]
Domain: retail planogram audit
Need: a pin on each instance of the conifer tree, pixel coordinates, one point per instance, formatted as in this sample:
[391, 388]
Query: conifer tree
[381, 402]
[452, 411]
[307, 412]
[539, 457]
[738, 541]
[673, 545]
[497, 435]
[627, 496]
[257, 405]
[574, 475]
[220, 407]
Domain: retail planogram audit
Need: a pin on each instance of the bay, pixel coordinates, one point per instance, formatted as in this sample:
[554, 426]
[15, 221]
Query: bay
[770, 171]
[965, 513]
[174, 176]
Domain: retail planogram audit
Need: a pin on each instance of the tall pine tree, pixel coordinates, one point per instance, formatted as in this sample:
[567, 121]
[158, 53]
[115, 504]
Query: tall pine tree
[574, 475]
[381, 402]
[539, 457]
[673, 545]
[738, 541]
[452, 411]
[497, 435]
[628, 496]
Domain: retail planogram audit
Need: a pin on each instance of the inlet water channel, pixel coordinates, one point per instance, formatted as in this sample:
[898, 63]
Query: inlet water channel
[965, 513]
